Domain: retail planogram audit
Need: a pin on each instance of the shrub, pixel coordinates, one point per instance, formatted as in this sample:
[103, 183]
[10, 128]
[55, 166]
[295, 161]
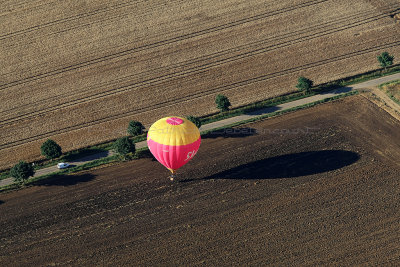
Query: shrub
[135, 128]
[50, 149]
[21, 171]
[222, 102]
[304, 84]
[385, 60]
[124, 145]
[195, 120]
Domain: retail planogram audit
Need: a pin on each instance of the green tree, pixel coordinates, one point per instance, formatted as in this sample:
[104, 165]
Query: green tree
[385, 60]
[21, 171]
[222, 102]
[135, 128]
[304, 84]
[50, 149]
[195, 120]
[124, 145]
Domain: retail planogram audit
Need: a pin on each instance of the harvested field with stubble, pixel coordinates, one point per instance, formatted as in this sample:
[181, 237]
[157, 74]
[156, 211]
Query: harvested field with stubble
[78, 72]
[319, 186]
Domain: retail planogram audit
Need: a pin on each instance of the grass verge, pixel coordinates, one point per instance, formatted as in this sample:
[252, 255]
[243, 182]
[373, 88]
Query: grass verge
[392, 89]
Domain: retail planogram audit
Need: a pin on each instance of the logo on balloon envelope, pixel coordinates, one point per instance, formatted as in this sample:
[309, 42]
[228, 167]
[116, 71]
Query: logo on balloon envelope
[190, 154]
[174, 121]
[173, 141]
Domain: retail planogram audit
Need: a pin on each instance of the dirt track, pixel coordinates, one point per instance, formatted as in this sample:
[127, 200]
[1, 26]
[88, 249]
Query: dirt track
[312, 187]
[79, 72]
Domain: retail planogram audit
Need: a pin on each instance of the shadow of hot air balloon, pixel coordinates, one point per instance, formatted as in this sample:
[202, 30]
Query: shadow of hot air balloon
[289, 165]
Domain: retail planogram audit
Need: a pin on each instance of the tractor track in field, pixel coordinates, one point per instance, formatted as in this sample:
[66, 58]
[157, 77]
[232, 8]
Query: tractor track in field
[92, 203]
[200, 94]
[160, 43]
[104, 21]
[386, 10]
[73, 18]
[309, 33]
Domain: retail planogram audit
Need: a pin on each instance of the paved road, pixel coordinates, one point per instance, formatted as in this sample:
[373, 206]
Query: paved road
[54, 168]
[217, 124]
[371, 83]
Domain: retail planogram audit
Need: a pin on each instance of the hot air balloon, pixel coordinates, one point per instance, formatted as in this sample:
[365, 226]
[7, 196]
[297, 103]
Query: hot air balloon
[173, 141]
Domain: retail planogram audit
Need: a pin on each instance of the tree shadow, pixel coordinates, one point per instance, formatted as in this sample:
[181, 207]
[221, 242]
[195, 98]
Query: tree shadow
[98, 155]
[264, 111]
[231, 132]
[290, 165]
[339, 90]
[145, 154]
[65, 180]
[83, 153]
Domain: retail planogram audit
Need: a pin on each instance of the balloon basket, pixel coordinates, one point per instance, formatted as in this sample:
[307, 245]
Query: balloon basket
[173, 174]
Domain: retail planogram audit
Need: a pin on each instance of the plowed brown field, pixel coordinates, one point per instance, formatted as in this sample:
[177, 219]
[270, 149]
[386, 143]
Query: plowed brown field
[78, 72]
[315, 187]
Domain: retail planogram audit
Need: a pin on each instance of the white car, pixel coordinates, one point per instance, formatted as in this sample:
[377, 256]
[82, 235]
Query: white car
[62, 165]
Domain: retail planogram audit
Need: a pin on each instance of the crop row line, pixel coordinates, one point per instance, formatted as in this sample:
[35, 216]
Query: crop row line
[201, 94]
[159, 43]
[310, 34]
[72, 18]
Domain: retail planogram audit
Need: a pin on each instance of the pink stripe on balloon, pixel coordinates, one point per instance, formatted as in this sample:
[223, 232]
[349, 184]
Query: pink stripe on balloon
[173, 157]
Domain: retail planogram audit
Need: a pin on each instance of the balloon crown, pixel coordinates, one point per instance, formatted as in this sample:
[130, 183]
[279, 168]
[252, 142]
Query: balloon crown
[174, 121]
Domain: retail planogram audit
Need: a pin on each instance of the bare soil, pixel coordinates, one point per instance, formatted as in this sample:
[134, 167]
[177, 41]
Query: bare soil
[79, 72]
[314, 187]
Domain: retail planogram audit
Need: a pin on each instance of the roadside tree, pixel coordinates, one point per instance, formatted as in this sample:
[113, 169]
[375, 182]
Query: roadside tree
[195, 120]
[222, 103]
[123, 146]
[304, 84]
[135, 128]
[385, 60]
[50, 149]
[22, 171]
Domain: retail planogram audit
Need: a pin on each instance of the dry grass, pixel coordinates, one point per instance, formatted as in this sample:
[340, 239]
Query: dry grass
[393, 89]
[79, 72]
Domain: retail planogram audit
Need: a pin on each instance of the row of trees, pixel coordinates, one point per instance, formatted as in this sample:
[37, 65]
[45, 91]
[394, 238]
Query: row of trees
[304, 84]
[123, 146]
[23, 170]
[385, 60]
